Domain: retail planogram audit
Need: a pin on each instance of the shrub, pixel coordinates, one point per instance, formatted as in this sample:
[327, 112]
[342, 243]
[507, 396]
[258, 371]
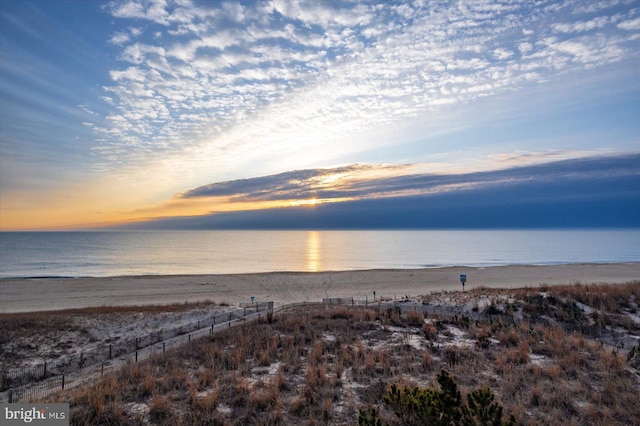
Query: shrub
[342, 313]
[159, 409]
[509, 339]
[482, 337]
[415, 319]
[482, 410]
[430, 332]
[416, 406]
[633, 357]
[369, 417]
[426, 360]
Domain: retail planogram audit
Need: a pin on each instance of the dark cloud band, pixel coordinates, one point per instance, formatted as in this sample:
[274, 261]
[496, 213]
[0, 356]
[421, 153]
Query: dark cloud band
[303, 184]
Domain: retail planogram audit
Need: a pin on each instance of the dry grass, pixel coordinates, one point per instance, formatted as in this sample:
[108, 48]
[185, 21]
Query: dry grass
[28, 339]
[172, 307]
[23, 323]
[319, 365]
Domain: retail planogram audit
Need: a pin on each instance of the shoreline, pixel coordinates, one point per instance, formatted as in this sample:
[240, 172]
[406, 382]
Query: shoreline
[301, 272]
[47, 294]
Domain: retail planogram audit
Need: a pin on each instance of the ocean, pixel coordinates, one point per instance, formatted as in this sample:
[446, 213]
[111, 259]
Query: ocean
[98, 254]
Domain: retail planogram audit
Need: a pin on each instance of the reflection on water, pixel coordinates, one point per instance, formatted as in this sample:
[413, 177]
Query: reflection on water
[314, 254]
[55, 254]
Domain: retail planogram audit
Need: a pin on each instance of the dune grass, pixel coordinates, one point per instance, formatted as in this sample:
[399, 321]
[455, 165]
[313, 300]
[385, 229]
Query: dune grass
[321, 364]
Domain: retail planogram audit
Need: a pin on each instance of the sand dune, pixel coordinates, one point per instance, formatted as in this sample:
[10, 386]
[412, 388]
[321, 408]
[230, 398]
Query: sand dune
[25, 295]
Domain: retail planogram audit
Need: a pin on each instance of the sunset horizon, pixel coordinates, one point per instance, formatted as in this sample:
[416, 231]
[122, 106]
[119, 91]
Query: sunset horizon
[164, 114]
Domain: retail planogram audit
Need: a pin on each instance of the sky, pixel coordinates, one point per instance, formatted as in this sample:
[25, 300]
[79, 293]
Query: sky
[161, 114]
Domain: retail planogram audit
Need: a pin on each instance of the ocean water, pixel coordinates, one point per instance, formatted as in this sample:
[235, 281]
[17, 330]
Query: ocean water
[75, 254]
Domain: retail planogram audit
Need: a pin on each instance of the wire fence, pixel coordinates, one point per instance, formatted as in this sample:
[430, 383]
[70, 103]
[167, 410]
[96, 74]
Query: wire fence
[49, 374]
[31, 383]
[42, 388]
[36, 390]
[34, 383]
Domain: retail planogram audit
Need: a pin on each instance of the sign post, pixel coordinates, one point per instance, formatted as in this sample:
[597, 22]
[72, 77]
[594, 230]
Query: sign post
[463, 279]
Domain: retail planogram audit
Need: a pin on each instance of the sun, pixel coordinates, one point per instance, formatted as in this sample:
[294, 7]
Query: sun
[309, 202]
[312, 202]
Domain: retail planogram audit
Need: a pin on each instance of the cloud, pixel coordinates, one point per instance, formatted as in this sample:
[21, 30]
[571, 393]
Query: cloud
[502, 53]
[369, 182]
[241, 82]
[119, 38]
[587, 192]
[583, 26]
[152, 10]
[630, 25]
[296, 185]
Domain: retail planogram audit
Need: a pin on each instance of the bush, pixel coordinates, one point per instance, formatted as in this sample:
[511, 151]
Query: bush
[369, 417]
[416, 406]
[415, 319]
[482, 410]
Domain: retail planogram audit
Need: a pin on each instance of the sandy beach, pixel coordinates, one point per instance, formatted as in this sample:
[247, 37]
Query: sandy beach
[26, 295]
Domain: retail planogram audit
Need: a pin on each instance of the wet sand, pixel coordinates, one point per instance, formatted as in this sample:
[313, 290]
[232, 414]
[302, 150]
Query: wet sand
[27, 295]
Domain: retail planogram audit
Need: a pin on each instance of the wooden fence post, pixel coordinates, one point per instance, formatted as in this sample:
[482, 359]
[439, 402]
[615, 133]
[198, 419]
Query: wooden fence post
[63, 382]
[44, 373]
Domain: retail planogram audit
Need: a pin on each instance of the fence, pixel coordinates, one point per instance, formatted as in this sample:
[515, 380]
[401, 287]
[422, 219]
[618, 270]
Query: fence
[27, 383]
[339, 301]
[262, 306]
[32, 383]
[36, 390]
[44, 376]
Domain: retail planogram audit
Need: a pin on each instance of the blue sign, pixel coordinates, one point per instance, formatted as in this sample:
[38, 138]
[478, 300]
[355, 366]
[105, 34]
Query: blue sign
[463, 278]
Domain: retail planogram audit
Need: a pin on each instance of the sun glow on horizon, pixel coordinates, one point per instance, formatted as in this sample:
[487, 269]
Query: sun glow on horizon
[181, 110]
[310, 202]
[90, 204]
